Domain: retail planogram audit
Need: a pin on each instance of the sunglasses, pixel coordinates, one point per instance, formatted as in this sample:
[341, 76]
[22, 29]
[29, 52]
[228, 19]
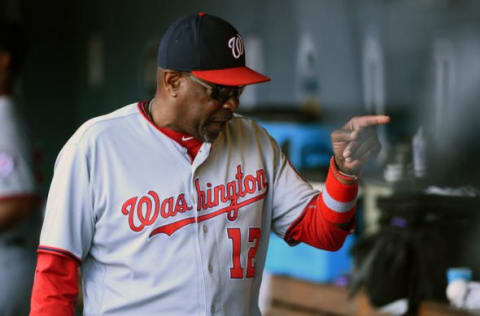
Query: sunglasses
[218, 92]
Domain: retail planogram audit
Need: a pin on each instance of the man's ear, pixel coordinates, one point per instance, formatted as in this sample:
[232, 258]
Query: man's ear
[172, 81]
[5, 59]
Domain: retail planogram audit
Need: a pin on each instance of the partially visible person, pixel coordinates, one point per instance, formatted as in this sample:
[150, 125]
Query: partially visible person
[20, 218]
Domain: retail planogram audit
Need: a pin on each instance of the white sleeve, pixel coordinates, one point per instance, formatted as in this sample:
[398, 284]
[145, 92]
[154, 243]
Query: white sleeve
[291, 193]
[16, 177]
[16, 172]
[69, 223]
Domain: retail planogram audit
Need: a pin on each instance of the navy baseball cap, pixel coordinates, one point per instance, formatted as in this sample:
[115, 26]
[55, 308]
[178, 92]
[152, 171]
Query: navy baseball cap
[210, 48]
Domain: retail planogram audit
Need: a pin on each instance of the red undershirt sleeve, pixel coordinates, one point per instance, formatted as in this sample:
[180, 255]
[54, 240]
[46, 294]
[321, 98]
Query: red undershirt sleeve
[55, 287]
[317, 226]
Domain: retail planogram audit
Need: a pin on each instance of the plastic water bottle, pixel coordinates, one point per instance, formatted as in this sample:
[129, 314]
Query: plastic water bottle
[419, 154]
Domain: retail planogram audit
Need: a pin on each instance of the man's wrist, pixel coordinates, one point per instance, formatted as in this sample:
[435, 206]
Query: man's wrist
[341, 176]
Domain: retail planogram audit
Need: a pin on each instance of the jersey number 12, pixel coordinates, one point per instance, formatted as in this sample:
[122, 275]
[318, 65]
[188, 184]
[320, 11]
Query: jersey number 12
[236, 271]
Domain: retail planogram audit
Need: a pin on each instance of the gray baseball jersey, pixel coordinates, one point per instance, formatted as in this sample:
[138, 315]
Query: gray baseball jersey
[17, 244]
[158, 234]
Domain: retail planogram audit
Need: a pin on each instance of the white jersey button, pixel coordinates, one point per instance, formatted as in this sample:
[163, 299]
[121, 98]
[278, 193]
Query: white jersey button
[210, 268]
[205, 229]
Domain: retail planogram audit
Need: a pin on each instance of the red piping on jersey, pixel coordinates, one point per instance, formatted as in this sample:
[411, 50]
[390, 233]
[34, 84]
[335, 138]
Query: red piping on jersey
[58, 251]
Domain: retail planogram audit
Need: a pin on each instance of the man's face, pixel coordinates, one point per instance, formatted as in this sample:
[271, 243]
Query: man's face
[206, 111]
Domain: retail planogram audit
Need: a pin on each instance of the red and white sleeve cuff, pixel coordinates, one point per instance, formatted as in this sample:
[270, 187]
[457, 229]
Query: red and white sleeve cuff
[339, 200]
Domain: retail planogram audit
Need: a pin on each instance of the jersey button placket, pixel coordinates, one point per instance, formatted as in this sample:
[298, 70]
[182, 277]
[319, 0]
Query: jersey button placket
[205, 229]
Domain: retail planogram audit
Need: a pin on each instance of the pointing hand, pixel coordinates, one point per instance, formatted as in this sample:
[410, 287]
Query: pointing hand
[357, 142]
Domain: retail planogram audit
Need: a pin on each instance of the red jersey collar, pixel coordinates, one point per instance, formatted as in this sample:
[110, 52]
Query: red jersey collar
[186, 140]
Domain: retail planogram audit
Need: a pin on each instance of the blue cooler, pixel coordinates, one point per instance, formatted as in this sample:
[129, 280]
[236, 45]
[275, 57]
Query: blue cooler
[307, 263]
[308, 143]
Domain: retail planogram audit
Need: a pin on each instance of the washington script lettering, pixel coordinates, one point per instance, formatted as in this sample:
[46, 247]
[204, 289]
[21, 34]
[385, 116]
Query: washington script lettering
[243, 190]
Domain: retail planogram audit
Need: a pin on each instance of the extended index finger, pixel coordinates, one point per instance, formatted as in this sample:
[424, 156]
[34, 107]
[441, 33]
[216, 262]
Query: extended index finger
[369, 120]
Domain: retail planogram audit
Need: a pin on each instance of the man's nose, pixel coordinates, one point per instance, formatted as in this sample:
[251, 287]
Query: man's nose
[231, 104]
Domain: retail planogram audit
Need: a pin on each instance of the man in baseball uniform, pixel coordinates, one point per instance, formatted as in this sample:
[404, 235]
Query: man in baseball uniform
[20, 219]
[167, 204]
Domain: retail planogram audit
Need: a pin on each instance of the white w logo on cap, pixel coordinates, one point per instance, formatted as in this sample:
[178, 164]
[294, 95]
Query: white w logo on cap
[236, 44]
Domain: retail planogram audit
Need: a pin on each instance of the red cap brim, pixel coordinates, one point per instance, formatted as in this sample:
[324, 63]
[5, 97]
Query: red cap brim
[237, 76]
